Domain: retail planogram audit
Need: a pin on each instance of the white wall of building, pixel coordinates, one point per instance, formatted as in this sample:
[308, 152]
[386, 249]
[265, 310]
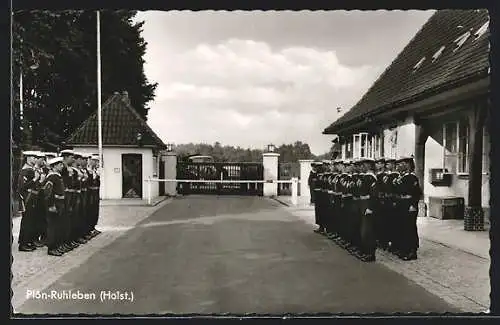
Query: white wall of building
[112, 179]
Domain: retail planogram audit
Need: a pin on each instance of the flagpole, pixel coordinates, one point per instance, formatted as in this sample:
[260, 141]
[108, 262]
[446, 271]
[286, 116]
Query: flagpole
[99, 113]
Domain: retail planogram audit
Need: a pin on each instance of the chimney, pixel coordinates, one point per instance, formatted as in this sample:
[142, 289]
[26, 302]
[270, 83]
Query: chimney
[125, 97]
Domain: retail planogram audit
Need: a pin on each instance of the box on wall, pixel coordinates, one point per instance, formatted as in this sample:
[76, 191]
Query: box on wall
[446, 207]
[440, 177]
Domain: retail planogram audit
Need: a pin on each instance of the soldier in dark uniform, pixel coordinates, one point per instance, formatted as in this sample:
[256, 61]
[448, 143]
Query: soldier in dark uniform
[355, 215]
[410, 194]
[319, 200]
[335, 199]
[368, 203]
[337, 194]
[313, 176]
[81, 190]
[329, 206]
[70, 177]
[40, 214]
[54, 197]
[94, 196]
[27, 181]
[381, 223]
[391, 203]
[345, 187]
[84, 205]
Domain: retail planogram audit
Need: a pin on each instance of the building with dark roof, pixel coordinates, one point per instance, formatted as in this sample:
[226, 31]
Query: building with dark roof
[432, 102]
[130, 149]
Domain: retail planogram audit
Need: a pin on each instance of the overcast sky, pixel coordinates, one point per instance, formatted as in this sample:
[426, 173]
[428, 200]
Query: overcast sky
[252, 78]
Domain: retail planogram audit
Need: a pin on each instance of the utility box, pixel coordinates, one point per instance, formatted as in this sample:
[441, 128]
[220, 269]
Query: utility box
[445, 208]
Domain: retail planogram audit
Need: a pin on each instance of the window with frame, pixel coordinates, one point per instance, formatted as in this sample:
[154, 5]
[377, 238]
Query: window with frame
[486, 150]
[463, 147]
[456, 146]
[348, 148]
[356, 146]
[363, 145]
[375, 146]
[155, 166]
[392, 150]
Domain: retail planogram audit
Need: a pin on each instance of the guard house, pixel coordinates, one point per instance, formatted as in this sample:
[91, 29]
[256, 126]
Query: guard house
[131, 150]
[432, 102]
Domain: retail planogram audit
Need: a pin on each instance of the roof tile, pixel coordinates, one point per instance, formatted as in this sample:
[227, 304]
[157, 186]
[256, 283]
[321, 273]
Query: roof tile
[400, 82]
[120, 126]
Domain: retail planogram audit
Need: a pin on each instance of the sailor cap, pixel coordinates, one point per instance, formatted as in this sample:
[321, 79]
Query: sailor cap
[66, 152]
[55, 160]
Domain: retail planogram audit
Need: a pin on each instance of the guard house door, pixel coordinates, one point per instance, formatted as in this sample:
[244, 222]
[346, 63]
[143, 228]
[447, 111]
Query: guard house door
[132, 175]
[161, 175]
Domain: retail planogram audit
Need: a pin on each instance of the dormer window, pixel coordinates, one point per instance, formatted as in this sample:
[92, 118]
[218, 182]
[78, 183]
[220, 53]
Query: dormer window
[461, 40]
[419, 63]
[482, 30]
[438, 53]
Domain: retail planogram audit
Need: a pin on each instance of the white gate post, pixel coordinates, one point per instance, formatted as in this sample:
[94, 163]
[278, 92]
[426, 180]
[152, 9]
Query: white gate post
[170, 173]
[305, 169]
[270, 162]
[295, 188]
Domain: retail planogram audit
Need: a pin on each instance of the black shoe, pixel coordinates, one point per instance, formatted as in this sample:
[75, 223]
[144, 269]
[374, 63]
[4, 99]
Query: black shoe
[38, 244]
[32, 245]
[368, 258]
[54, 252]
[81, 241]
[26, 248]
[409, 257]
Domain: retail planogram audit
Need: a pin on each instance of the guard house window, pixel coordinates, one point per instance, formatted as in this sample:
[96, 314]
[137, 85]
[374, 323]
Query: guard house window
[347, 151]
[155, 166]
[357, 146]
[486, 150]
[456, 146]
[450, 146]
[463, 147]
[391, 150]
[364, 145]
[374, 146]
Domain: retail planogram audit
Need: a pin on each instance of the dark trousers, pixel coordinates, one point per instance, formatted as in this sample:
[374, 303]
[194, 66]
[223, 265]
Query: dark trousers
[409, 240]
[41, 218]
[83, 221]
[95, 209]
[397, 225]
[27, 229]
[317, 205]
[55, 227]
[381, 222]
[391, 208]
[367, 229]
[346, 220]
[76, 223]
[68, 221]
[312, 193]
[330, 213]
[355, 216]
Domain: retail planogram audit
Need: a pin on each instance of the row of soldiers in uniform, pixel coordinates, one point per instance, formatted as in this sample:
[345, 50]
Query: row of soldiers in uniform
[58, 200]
[368, 203]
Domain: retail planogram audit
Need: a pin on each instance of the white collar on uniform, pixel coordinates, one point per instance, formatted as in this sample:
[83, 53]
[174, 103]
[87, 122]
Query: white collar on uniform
[53, 173]
[26, 166]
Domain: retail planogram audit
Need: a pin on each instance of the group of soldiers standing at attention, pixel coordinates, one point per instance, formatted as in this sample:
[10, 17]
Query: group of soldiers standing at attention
[367, 204]
[58, 200]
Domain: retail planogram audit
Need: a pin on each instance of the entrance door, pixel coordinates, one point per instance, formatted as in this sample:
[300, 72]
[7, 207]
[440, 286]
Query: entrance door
[161, 190]
[132, 175]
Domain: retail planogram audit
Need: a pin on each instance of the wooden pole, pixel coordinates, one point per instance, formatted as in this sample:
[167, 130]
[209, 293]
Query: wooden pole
[99, 109]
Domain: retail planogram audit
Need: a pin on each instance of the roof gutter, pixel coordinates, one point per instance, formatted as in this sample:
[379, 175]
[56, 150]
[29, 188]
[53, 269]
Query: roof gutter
[418, 97]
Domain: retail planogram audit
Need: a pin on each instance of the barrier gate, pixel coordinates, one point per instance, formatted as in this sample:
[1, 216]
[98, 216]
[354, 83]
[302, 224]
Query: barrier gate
[220, 172]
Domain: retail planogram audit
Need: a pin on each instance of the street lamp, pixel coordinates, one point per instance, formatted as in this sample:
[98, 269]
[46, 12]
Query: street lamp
[271, 148]
[139, 137]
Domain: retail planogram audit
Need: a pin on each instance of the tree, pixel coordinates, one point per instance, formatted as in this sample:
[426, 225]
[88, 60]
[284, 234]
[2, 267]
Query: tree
[62, 92]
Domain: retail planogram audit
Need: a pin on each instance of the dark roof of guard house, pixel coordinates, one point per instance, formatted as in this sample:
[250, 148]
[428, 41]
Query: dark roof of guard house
[120, 125]
[401, 83]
